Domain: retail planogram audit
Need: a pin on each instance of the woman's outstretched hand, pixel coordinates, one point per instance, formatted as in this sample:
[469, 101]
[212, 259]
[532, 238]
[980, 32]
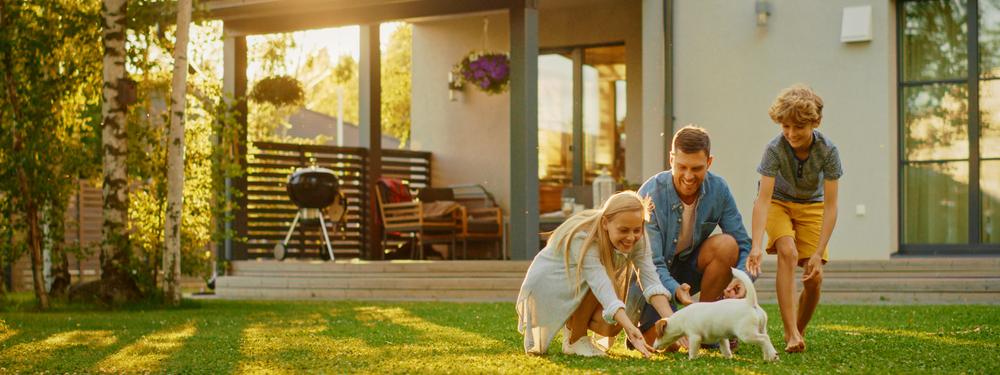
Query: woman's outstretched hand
[639, 342]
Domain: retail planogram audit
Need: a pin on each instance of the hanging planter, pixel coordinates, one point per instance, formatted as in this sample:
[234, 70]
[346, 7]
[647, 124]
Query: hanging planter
[278, 90]
[487, 71]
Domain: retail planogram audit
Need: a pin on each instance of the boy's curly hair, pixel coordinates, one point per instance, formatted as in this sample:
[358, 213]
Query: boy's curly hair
[797, 105]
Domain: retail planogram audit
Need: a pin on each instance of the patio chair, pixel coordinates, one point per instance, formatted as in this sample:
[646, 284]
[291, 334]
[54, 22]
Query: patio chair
[409, 218]
[482, 218]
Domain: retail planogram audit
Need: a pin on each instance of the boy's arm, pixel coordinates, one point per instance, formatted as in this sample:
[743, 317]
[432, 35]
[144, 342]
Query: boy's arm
[829, 222]
[757, 223]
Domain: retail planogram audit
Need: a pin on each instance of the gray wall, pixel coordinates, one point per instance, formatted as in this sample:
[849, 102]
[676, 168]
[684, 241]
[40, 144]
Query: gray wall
[728, 71]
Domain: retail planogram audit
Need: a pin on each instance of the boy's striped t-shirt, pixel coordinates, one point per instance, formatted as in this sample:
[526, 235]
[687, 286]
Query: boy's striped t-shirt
[800, 181]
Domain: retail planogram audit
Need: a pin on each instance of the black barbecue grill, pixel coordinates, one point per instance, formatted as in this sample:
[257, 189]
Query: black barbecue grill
[314, 190]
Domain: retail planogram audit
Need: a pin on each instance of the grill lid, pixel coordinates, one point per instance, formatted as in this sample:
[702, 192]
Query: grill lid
[313, 187]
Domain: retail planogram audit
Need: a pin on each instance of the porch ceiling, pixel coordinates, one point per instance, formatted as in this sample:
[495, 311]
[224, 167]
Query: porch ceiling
[273, 16]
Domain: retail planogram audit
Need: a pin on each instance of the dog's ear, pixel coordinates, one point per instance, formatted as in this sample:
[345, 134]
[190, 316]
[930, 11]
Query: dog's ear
[660, 327]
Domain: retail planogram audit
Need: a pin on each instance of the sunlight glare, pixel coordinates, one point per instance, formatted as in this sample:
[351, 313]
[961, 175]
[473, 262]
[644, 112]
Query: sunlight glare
[147, 353]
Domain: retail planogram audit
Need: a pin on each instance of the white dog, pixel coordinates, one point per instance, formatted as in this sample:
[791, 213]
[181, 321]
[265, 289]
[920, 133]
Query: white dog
[708, 322]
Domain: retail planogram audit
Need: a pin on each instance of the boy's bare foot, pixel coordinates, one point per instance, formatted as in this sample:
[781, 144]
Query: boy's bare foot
[795, 345]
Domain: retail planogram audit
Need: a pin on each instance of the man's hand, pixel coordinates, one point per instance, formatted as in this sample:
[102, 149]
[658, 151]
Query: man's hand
[814, 267]
[753, 262]
[683, 294]
[735, 290]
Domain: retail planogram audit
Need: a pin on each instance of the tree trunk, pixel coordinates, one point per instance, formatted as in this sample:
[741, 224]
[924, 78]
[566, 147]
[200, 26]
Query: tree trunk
[27, 202]
[61, 278]
[175, 160]
[116, 283]
[34, 239]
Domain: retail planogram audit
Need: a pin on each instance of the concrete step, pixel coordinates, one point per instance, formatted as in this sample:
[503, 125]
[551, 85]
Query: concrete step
[380, 266]
[906, 280]
[397, 283]
[370, 294]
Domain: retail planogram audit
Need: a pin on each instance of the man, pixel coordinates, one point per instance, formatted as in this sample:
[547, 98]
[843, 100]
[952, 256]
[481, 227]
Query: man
[689, 202]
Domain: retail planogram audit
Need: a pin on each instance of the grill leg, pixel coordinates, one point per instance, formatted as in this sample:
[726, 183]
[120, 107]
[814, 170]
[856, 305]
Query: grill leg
[291, 229]
[326, 237]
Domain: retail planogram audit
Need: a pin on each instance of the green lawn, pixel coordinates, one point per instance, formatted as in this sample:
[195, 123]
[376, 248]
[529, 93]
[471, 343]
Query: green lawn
[334, 337]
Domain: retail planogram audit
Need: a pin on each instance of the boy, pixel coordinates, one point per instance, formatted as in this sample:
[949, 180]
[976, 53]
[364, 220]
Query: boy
[797, 205]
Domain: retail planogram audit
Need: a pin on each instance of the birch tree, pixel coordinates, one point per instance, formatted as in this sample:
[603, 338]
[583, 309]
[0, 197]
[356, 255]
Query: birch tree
[175, 159]
[116, 284]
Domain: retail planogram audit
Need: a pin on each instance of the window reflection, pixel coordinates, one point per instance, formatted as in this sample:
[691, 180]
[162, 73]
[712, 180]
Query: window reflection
[990, 198]
[989, 38]
[935, 122]
[936, 203]
[604, 111]
[555, 119]
[934, 40]
[989, 118]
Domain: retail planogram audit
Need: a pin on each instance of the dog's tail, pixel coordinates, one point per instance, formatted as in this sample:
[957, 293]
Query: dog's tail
[748, 284]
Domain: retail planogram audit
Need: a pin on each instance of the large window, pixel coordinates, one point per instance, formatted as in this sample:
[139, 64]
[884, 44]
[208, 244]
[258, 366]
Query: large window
[594, 76]
[949, 100]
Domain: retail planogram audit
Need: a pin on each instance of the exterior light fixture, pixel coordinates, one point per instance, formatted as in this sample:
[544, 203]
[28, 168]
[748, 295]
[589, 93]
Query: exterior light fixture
[763, 8]
[454, 84]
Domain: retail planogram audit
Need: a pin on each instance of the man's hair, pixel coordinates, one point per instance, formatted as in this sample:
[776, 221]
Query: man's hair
[691, 139]
[797, 105]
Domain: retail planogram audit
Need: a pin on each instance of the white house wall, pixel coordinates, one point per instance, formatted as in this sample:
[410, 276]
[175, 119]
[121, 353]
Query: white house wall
[470, 137]
[727, 71]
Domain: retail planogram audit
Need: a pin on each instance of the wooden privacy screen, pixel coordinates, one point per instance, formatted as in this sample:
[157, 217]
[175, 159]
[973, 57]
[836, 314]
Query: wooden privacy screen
[270, 212]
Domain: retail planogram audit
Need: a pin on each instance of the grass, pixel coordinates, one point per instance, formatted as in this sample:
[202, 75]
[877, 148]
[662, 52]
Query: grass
[211, 336]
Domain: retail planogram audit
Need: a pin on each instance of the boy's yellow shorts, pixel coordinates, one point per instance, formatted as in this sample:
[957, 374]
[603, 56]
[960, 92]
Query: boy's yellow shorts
[801, 221]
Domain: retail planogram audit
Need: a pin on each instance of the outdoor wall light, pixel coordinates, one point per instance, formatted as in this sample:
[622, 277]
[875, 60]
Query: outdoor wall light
[763, 8]
[454, 84]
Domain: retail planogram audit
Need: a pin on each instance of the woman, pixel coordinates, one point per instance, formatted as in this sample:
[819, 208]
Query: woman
[578, 281]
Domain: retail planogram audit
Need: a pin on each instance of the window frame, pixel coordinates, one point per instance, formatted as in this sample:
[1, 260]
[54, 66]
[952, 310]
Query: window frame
[972, 81]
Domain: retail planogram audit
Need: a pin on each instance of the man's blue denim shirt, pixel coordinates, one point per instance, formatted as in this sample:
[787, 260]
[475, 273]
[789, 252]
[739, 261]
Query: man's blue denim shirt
[716, 207]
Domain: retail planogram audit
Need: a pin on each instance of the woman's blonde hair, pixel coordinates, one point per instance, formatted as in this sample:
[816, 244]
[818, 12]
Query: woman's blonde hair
[589, 221]
[797, 105]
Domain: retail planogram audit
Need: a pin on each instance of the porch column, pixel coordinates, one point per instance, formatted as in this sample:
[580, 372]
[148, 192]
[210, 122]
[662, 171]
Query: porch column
[235, 88]
[523, 130]
[578, 141]
[657, 129]
[370, 108]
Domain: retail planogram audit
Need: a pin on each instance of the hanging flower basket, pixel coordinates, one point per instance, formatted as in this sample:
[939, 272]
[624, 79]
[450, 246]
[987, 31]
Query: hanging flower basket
[278, 90]
[488, 71]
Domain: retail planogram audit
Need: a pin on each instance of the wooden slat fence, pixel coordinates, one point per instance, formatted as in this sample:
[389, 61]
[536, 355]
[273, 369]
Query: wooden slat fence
[270, 213]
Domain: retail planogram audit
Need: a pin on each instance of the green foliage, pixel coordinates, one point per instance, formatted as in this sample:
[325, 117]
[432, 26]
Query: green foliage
[324, 79]
[221, 337]
[50, 68]
[396, 70]
[210, 132]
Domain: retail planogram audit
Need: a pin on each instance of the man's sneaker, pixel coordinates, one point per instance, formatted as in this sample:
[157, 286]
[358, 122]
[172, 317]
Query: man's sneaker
[583, 346]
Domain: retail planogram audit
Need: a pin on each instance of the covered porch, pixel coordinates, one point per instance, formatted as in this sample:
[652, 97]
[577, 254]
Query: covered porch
[501, 155]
